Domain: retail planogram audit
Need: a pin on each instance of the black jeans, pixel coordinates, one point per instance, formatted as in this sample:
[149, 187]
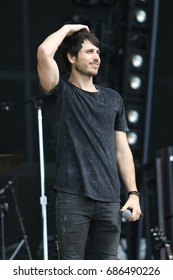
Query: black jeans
[81, 221]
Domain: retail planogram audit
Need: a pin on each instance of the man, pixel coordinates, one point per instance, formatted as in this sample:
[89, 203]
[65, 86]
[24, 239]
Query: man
[91, 146]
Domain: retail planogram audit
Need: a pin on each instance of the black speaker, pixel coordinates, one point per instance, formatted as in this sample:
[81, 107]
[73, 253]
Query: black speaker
[165, 192]
[166, 156]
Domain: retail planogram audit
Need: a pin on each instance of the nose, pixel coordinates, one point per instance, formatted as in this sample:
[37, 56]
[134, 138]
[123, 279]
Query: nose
[96, 56]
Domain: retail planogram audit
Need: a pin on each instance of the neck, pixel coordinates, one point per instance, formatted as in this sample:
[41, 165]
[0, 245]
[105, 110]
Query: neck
[85, 83]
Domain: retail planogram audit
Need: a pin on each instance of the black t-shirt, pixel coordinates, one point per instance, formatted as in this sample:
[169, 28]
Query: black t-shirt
[84, 124]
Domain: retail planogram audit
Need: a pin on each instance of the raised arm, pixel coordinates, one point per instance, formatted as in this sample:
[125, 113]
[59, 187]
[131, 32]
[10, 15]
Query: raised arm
[47, 67]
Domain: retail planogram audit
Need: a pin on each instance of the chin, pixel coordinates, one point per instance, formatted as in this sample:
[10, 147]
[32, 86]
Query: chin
[93, 73]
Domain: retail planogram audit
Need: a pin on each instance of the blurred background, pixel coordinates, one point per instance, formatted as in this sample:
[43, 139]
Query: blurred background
[137, 61]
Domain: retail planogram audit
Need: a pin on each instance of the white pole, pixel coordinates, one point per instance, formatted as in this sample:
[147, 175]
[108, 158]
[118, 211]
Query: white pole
[43, 198]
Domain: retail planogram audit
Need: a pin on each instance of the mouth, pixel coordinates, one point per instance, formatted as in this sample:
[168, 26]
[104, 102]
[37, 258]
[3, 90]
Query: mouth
[95, 65]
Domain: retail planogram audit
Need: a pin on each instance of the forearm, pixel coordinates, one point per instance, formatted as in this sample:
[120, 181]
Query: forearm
[127, 170]
[51, 44]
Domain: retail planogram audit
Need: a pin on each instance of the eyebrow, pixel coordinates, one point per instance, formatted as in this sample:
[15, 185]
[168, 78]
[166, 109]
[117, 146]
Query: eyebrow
[92, 49]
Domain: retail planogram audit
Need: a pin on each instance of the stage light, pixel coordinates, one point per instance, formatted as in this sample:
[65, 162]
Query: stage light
[132, 138]
[136, 64]
[132, 116]
[135, 82]
[141, 16]
[137, 60]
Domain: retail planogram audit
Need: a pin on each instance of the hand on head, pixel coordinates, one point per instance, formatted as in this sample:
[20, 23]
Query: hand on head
[76, 27]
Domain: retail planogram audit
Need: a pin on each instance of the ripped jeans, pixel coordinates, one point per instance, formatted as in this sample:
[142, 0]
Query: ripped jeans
[86, 228]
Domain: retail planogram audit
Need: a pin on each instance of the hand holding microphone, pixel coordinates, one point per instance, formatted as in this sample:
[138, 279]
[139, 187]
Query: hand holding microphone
[126, 214]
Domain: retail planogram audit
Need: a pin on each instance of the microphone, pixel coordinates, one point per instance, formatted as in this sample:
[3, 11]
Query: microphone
[126, 214]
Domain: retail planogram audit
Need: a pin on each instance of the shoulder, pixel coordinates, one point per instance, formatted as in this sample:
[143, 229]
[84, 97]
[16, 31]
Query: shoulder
[109, 90]
[111, 93]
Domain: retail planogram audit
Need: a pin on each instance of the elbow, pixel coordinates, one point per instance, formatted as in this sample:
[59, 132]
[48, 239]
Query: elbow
[42, 52]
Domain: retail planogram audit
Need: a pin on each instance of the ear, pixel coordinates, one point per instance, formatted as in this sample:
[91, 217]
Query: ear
[71, 58]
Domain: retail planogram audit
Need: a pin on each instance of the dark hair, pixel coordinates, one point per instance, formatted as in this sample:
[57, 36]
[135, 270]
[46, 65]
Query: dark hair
[73, 44]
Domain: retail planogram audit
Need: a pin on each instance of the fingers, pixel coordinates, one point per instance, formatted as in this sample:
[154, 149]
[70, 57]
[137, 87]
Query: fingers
[135, 217]
[85, 27]
[72, 28]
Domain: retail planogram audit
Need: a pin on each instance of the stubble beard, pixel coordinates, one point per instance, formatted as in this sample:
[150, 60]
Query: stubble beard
[84, 72]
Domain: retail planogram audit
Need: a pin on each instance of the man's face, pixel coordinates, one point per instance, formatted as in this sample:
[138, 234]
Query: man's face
[88, 60]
